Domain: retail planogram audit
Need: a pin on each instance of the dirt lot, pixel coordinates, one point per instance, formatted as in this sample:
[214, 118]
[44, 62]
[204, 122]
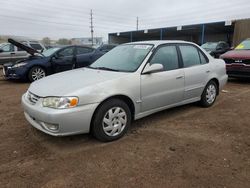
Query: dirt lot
[183, 147]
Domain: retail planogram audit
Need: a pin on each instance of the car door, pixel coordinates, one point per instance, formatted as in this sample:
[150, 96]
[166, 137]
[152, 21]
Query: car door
[64, 59]
[84, 56]
[20, 54]
[166, 87]
[7, 53]
[196, 69]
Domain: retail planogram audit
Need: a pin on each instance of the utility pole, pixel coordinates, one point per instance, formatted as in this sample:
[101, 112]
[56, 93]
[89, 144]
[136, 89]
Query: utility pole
[91, 27]
[137, 23]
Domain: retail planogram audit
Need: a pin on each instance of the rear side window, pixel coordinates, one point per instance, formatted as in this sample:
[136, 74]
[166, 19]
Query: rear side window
[190, 56]
[81, 50]
[167, 56]
[203, 59]
[36, 46]
[107, 47]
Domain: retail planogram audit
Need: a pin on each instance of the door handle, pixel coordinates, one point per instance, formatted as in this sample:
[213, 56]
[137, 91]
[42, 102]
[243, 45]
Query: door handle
[179, 77]
[12, 53]
[208, 71]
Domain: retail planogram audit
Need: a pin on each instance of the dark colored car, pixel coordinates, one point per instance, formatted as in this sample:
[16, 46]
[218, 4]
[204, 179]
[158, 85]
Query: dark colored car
[106, 47]
[51, 61]
[238, 60]
[216, 48]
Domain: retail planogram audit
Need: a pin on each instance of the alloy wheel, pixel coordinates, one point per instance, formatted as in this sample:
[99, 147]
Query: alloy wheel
[38, 73]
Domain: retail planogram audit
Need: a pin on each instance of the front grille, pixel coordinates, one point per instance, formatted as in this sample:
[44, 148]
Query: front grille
[32, 98]
[237, 61]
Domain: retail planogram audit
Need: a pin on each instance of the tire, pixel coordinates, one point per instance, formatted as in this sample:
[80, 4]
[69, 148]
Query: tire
[36, 73]
[111, 120]
[209, 94]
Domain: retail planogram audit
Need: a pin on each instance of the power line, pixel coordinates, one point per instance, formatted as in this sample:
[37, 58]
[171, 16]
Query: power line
[67, 8]
[79, 18]
[61, 23]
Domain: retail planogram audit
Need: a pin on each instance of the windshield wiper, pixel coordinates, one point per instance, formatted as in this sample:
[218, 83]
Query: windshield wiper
[103, 68]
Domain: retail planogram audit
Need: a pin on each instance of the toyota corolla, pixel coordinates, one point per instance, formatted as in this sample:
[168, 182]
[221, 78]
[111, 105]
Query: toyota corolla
[131, 81]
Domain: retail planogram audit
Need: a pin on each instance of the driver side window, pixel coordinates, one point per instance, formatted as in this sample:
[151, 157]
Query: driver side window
[66, 52]
[167, 56]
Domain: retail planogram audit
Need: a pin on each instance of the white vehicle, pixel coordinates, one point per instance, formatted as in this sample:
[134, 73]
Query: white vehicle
[131, 81]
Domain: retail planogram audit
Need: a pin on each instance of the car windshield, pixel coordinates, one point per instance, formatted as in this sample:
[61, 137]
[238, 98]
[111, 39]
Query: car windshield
[50, 51]
[245, 45]
[209, 45]
[124, 58]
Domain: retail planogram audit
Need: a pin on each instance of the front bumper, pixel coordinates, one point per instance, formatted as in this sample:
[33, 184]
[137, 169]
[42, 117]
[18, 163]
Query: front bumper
[70, 121]
[14, 73]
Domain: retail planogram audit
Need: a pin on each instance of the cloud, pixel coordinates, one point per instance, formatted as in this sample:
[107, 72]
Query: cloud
[71, 18]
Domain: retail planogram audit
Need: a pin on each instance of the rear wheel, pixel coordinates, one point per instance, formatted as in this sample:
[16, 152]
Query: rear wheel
[36, 73]
[111, 120]
[209, 94]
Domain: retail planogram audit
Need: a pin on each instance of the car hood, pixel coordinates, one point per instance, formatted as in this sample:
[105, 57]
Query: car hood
[236, 54]
[29, 59]
[24, 47]
[69, 83]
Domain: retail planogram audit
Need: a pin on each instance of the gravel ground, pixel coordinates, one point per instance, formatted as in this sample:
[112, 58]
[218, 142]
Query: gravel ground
[187, 146]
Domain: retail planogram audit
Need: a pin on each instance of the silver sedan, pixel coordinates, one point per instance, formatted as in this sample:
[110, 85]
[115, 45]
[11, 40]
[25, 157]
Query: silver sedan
[131, 81]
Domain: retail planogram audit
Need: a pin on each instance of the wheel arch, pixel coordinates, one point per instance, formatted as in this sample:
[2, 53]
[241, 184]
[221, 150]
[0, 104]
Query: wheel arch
[217, 83]
[124, 98]
[36, 65]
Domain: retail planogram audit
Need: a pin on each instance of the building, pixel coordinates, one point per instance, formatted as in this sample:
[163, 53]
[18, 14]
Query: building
[87, 41]
[232, 32]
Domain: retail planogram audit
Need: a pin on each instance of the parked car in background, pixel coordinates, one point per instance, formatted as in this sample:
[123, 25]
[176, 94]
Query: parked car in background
[51, 61]
[132, 81]
[216, 48]
[238, 60]
[11, 53]
[104, 48]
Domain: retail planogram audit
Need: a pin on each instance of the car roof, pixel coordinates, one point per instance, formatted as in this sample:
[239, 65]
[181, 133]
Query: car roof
[159, 42]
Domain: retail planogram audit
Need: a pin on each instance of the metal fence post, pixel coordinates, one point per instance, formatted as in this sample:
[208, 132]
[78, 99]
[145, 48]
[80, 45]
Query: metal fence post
[203, 34]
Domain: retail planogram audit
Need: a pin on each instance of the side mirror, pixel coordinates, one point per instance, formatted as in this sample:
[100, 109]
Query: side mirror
[1, 50]
[153, 68]
[54, 57]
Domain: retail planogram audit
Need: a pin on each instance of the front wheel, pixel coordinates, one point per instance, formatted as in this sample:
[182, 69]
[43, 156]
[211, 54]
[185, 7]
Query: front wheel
[111, 120]
[36, 73]
[209, 94]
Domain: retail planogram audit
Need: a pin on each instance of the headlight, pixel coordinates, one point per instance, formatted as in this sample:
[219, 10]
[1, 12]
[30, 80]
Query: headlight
[60, 102]
[19, 65]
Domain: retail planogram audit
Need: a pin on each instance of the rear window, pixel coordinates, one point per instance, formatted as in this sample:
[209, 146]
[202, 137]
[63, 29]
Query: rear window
[107, 47]
[82, 50]
[36, 46]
